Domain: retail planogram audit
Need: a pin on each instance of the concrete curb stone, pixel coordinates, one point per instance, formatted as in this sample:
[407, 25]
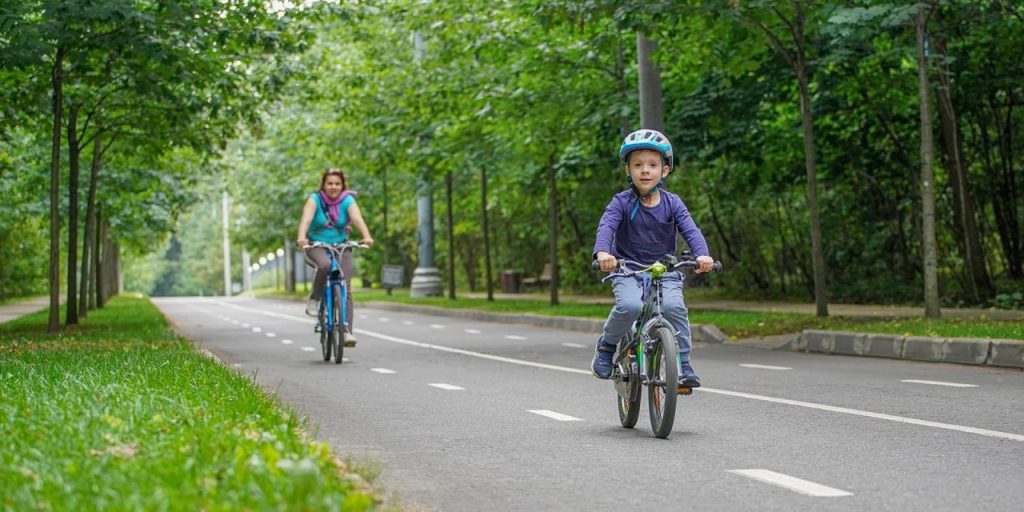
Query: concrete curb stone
[1004, 353]
[1008, 353]
[701, 333]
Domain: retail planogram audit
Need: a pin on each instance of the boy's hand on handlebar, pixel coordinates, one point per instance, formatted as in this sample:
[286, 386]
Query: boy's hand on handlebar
[705, 264]
[606, 262]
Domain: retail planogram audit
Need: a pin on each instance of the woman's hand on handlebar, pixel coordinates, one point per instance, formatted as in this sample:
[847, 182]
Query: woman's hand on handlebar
[302, 243]
[606, 262]
[367, 241]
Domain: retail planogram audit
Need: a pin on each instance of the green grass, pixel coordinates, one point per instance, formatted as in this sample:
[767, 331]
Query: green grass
[121, 414]
[736, 324]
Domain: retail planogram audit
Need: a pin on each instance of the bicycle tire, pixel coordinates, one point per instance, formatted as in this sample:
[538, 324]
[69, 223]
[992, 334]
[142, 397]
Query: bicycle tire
[663, 371]
[325, 340]
[339, 346]
[629, 408]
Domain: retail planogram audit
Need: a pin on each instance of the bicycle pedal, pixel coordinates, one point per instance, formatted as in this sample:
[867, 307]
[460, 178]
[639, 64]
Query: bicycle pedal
[684, 391]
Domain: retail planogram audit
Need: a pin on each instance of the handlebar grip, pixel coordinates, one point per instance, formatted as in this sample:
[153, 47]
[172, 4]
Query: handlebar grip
[594, 265]
[717, 267]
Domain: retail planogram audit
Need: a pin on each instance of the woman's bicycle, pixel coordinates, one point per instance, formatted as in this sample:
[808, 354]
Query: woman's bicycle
[332, 319]
[649, 356]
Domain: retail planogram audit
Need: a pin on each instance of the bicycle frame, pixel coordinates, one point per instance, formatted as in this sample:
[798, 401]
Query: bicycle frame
[650, 317]
[335, 277]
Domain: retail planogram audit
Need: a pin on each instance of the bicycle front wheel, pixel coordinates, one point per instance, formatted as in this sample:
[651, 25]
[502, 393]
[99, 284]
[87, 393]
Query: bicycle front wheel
[339, 346]
[325, 330]
[663, 371]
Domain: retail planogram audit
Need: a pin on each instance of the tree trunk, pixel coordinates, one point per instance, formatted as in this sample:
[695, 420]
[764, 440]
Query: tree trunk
[931, 285]
[810, 160]
[651, 114]
[487, 234]
[969, 239]
[74, 151]
[101, 255]
[451, 236]
[553, 229]
[58, 107]
[88, 240]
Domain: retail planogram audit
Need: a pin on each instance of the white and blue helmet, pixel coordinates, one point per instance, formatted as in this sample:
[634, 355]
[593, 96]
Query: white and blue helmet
[647, 139]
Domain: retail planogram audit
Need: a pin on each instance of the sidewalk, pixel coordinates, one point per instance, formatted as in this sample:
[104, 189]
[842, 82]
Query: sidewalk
[849, 310]
[9, 312]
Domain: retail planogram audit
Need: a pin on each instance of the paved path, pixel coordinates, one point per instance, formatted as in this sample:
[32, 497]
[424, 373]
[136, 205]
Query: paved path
[9, 312]
[459, 414]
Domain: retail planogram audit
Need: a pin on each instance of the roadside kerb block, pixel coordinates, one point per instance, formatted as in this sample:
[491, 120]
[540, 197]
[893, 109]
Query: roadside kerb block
[965, 350]
[707, 333]
[1007, 353]
[848, 343]
[883, 345]
[919, 348]
[815, 341]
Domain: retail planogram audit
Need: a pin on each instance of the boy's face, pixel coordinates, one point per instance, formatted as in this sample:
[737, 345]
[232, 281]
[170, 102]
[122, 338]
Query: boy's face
[646, 168]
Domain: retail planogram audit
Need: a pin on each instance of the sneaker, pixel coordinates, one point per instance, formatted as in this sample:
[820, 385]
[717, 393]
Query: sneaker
[687, 378]
[312, 307]
[602, 365]
[348, 339]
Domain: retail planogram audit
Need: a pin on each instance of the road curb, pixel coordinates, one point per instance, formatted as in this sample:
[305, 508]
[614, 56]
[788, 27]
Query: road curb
[985, 352]
[701, 333]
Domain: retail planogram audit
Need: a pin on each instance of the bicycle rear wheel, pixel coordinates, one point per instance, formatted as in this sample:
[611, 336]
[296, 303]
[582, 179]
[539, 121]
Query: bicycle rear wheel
[628, 389]
[325, 338]
[664, 380]
[339, 347]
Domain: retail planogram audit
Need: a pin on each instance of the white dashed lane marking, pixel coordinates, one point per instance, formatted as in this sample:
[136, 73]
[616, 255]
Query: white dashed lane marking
[553, 415]
[385, 371]
[407, 322]
[383, 319]
[245, 325]
[472, 331]
[257, 329]
[308, 349]
[271, 335]
[287, 342]
[446, 387]
[573, 345]
[765, 367]
[940, 383]
[514, 337]
[436, 326]
[792, 483]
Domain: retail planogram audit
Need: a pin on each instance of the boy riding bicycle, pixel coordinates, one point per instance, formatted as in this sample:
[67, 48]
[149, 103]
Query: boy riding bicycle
[640, 224]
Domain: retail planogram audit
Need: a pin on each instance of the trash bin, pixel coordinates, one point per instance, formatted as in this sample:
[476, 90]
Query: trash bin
[511, 281]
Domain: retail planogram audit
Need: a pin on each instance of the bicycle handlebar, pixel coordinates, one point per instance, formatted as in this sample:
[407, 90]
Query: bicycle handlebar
[624, 265]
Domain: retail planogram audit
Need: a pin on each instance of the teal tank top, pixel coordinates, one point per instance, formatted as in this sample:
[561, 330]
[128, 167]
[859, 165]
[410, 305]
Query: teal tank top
[318, 230]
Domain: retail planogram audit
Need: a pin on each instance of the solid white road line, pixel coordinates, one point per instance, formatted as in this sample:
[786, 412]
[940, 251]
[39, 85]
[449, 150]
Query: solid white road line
[573, 345]
[553, 415]
[940, 383]
[446, 387]
[472, 331]
[385, 371]
[765, 367]
[514, 337]
[792, 483]
[737, 394]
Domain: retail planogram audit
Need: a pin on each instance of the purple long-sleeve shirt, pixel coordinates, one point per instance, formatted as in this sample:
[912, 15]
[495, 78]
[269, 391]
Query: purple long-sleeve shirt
[651, 234]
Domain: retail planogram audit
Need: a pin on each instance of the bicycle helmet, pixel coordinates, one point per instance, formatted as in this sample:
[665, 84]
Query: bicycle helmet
[647, 139]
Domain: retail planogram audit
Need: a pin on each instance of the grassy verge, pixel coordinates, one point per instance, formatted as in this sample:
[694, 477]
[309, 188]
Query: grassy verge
[736, 324]
[120, 413]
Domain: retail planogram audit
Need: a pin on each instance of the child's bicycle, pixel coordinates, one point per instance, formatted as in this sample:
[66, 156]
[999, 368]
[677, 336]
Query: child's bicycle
[332, 320]
[650, 355]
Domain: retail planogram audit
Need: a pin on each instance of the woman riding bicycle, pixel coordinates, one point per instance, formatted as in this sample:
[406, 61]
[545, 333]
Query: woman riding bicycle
[325, 218]
[640, 224]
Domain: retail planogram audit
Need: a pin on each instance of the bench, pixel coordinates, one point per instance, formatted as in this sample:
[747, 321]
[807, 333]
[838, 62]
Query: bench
[543, 279]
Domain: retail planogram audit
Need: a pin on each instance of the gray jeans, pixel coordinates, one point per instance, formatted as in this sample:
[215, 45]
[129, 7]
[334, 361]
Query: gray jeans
[629, 300]
[318, 258]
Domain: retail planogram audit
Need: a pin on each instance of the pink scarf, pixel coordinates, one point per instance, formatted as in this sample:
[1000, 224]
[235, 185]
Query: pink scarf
[332, 205]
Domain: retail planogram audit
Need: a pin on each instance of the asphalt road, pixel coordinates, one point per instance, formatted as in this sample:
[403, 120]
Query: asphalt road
[463, 415]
